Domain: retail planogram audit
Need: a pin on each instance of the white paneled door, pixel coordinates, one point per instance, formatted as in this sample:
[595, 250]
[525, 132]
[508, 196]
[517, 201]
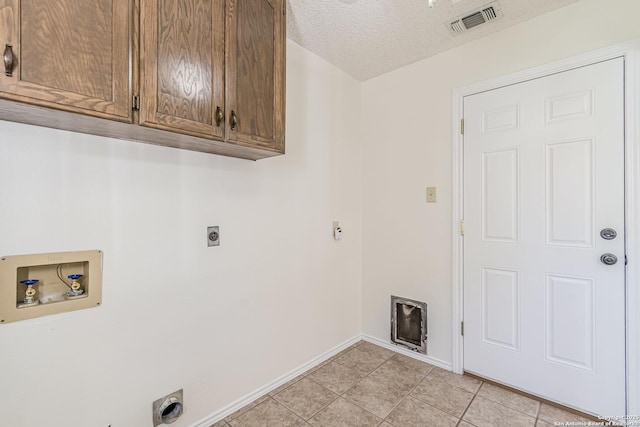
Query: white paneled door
[544, 299]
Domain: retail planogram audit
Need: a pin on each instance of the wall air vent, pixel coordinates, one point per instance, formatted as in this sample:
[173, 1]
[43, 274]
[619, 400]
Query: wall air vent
[487, 13]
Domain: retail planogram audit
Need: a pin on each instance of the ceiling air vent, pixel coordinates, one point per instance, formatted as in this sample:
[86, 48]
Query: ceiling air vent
[471, 19]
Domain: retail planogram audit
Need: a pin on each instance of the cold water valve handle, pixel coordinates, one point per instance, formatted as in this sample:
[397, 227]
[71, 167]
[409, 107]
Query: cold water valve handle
[75, 290]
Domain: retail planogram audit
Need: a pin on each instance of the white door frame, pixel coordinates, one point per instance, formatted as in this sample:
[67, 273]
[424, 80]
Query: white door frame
[631, 53]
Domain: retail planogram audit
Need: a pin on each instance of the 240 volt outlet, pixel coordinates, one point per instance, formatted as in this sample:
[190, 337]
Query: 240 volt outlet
[213, 236]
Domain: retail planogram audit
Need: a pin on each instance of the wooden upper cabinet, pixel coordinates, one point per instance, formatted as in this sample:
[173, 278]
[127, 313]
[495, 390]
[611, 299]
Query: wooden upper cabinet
[255, 37]
[67, 54]
[212, 72]
[182, 66]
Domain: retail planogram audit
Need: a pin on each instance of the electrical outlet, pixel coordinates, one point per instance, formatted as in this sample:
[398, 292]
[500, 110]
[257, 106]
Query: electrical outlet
[337, 230]
[213, 236]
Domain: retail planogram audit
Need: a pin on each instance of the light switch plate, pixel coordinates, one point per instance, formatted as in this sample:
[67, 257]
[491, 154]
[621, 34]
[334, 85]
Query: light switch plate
[431, 195]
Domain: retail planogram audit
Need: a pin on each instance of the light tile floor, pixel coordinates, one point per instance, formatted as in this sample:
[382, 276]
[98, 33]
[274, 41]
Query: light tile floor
[367, 385]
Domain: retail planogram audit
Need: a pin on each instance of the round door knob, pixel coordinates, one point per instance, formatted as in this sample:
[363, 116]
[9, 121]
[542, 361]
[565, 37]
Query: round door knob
[609, 259]
[608, 233]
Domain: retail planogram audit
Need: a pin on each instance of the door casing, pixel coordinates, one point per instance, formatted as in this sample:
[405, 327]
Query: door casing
[630, 51]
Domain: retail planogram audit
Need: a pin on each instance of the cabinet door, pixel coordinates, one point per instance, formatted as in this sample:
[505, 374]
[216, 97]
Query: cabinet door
[256, 73]
[182, 66]
[67, 54]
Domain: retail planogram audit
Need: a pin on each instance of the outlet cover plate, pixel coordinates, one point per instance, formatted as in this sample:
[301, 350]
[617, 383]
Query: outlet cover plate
[213, 236]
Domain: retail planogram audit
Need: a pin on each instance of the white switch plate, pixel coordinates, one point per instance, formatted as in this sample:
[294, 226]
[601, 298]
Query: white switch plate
[431, 195]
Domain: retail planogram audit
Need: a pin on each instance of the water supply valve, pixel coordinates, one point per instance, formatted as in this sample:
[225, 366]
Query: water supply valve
[30, 293]
[76, 290]
[35, 285]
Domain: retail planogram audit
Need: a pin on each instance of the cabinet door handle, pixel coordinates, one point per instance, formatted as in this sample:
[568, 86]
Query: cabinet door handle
[233, 121]
[219, 116]
[7, 57]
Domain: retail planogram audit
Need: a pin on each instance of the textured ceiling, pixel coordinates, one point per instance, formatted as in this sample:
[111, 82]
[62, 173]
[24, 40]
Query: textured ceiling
[366, 38]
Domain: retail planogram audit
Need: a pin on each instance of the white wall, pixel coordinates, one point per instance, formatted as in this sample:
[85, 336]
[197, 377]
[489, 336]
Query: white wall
[408, 145]
[218, 322]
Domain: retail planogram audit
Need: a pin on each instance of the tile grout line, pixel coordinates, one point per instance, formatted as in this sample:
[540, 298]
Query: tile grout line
[404, 398]
[341, 395]
[325, 406]
[509, 407]
[541, 401]
[362, 379]
[535, 423]
[246, 408]
[306, 374]
[470, 402]
[358, 382]
[454, 386]
[288, 386]
[289, 410]
[270, 397]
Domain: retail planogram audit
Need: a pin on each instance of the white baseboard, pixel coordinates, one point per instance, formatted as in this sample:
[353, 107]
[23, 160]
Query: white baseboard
[234, 406]
[422, 357]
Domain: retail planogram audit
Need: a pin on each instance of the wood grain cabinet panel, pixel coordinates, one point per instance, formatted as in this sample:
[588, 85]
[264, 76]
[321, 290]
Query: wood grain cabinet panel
[182, 66]
[255, 37]
[68, 54]
[205, 75]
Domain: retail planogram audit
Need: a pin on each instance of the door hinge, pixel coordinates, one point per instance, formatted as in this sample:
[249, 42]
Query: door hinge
[135, 104]
[462, 227]
[462, 126]
[462, 328]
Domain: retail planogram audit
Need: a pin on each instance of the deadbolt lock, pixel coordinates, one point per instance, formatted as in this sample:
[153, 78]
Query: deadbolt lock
[608, 233]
